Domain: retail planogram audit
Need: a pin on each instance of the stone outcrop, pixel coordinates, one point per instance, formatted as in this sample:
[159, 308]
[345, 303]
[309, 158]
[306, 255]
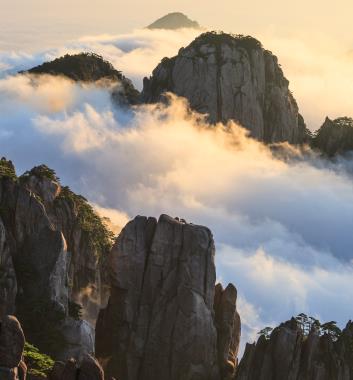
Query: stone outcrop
[290, 354]
[172, 21]
[231, 78]
[12, 342]
[162, 320]
[334, 137]
[228, 329]
[52, 250]
[87, 369]
[89, 67]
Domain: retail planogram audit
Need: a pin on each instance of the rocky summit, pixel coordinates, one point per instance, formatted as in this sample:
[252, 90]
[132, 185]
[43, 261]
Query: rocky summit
[90, 67]
[175, 20]
[294, 352]
[164, 319]
[231, 77]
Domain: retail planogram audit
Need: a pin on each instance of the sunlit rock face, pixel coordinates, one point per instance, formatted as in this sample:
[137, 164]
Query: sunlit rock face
[162, 321]
[290, 354]
[52, 249]
[231, 78]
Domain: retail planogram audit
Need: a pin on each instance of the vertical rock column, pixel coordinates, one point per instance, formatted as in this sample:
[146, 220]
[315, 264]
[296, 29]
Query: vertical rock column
[160, 319]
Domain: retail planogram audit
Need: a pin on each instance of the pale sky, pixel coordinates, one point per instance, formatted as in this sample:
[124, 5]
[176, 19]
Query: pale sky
[26, 22]
[312, 39]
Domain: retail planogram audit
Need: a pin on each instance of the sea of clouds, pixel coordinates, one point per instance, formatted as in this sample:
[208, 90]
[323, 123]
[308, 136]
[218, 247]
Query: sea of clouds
[283, 228]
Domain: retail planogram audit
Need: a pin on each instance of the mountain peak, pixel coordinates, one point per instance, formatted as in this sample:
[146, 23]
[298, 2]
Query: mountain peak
[174, 20]
[89, 68]
[231, 77]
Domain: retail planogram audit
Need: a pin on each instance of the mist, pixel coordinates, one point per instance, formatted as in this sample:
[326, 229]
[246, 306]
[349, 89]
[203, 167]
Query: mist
[282, 229]
[316, 71]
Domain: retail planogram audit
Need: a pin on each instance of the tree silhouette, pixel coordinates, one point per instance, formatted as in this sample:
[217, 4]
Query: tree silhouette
[266, 332]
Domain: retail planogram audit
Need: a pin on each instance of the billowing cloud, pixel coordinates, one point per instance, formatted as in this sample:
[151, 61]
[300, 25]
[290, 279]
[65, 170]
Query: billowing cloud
[283, 229]
[319, 73]
[136, 54]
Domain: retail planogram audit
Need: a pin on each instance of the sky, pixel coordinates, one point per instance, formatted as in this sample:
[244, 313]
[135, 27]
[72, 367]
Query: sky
[114, 16]
[283, 229]
[312, 39]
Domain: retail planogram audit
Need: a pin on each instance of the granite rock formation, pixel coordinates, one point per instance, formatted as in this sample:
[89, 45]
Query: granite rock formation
[89, 67]
[290, 354]
[162, 321]
[12, 342]
[227, 321]
[172, 21]
[87, 369]
[52, 257]
[334, 137]
[231, 78]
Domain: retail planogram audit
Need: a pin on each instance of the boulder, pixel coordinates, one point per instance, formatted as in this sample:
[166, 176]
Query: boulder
[12, 342]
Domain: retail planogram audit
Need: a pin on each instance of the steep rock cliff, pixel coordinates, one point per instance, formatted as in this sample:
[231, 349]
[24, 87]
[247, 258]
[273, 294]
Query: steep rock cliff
[52, 250]
[231, 78]
[162, 321]
[290, 354]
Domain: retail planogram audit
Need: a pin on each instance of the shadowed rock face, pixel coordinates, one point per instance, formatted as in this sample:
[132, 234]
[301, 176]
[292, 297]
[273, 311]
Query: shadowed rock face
[287, 354]
[228, 327]
[12, 342]
[51, 251]
[231, 78]
[160, 320]
[87, 369]
[334, 136]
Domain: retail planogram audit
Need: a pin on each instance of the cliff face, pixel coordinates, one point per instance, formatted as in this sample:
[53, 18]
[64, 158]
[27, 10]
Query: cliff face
[334, 136]
[52, 250]
[89, 67]
[162, 320]
[231, 78]
[290, 354]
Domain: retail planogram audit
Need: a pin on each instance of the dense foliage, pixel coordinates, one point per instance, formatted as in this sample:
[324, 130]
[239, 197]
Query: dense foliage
[7, 169]
[220, 38]
[89, 67]
[84, 67]
[75, 310]
[308, 324]
[41, 171]
[38, 363]
[89, 221]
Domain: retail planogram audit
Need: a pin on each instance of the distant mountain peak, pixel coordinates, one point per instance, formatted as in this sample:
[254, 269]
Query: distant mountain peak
[174, 20]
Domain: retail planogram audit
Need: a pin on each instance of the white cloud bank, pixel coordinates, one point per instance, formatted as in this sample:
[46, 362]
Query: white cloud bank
[283, 230]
